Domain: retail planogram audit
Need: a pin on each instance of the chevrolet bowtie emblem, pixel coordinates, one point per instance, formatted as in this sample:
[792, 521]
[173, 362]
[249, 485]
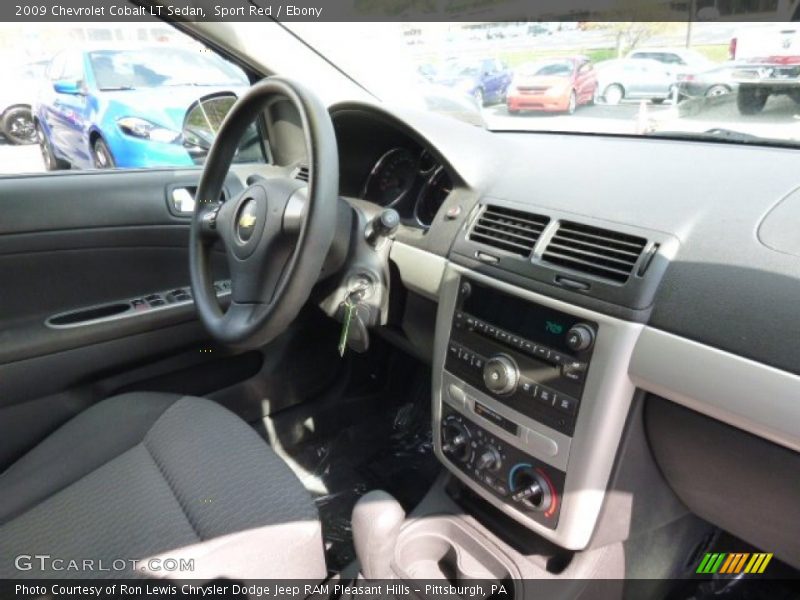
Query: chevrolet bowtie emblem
[247, 220]
[245, 223]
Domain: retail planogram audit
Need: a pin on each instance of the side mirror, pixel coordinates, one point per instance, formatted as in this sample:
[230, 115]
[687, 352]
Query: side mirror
[65, 86]
[202, 121]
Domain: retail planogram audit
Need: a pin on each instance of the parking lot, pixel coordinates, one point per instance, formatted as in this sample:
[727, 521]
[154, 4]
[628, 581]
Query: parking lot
[780, 119]
[19, 159]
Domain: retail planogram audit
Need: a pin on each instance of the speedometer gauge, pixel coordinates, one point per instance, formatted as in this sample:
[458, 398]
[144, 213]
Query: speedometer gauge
[392, 177]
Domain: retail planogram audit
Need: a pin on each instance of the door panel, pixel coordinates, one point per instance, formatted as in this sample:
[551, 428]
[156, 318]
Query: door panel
[73, 240]
[80, 239]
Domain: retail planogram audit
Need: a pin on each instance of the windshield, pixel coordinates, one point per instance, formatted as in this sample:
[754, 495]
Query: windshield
[732, 82]
[451, 70]
[153, 68]
[547, 69]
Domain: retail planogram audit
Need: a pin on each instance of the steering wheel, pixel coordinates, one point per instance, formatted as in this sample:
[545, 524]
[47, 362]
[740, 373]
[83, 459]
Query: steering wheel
[276, 233]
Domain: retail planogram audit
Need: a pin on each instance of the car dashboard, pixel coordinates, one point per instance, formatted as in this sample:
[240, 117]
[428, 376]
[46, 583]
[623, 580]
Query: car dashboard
[674, 260]
[390, 169]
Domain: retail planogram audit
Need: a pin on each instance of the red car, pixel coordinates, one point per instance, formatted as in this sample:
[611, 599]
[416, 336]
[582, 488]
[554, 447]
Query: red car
[553, 85]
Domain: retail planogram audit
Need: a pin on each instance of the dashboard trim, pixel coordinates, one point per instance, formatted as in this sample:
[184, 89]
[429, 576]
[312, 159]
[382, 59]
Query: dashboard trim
[420, 271]
[744, 393]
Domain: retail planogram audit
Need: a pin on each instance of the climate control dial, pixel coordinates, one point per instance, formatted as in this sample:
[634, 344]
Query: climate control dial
[529, 488]
[500, 374]
[456, 439]
[489, 459]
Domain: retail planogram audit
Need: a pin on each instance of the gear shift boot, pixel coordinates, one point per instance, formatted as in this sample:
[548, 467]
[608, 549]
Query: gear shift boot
[377, 518]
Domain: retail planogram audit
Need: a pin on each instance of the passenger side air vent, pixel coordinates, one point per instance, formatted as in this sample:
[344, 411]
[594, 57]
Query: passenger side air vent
[600, 252]
[301, 173]
[510, 230]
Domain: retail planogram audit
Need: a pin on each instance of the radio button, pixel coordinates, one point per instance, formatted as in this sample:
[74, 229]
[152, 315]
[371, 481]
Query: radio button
[540, 444]
[558, 358]
[574, 371]
[546, 396]
[457, 394]
[566, 404]
[542, 351]
[528, 346]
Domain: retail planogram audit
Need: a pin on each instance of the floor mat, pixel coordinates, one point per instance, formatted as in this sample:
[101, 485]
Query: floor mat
[389, 449]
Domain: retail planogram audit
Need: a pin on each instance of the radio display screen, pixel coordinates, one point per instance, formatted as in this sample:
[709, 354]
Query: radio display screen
[525, 319]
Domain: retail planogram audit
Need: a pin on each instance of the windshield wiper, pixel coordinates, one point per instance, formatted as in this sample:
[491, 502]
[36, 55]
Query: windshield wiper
[117, 88]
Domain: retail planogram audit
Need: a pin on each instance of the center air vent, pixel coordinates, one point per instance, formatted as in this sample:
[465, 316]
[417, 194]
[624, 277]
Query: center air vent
[600, 252]
[510, 230]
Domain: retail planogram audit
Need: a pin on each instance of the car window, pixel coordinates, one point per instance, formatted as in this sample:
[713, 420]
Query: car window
[672, 59]
[113, 96]
[56, 67]
[73, 67]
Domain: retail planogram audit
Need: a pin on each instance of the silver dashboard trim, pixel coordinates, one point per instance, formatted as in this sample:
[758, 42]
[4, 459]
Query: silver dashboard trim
[744, 393]
[420, 271]
[604, 409]
[535, 438]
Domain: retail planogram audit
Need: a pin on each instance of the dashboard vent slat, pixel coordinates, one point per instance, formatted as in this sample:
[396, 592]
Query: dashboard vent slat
[301, 173]
[594, 251]
[511, 230]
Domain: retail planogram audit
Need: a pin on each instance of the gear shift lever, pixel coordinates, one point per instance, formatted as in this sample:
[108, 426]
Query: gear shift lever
[377, 518]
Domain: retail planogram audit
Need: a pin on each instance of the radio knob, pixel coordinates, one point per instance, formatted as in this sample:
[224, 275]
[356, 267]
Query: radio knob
[500, 375]
[455, 440]
[489, 459]
[580, 337]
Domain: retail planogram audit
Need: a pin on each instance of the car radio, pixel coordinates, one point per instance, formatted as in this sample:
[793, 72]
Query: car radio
[530, 398]
[532, 358]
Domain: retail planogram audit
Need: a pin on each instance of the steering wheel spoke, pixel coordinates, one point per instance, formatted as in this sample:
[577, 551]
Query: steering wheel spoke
[276, 233]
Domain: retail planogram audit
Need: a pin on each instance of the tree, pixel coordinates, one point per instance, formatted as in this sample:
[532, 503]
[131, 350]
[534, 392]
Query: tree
[632, 34]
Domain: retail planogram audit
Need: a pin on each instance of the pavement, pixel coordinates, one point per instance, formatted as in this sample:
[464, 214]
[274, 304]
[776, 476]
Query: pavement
[780, 118]
[19, 159]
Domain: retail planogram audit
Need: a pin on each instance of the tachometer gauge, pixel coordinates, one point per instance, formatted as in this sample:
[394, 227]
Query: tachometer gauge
[392, 177]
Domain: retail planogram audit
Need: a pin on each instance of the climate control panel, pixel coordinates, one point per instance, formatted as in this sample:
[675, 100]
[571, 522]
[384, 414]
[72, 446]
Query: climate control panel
[505, 471]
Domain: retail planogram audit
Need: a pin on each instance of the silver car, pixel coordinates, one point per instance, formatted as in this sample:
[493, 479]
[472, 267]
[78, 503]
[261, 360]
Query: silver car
[634, 79]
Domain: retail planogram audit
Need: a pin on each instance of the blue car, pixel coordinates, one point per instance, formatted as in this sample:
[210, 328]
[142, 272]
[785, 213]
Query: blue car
[486, 81]
[124, 108]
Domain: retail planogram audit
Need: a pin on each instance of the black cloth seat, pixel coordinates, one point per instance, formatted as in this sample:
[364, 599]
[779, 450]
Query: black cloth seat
[147, 475]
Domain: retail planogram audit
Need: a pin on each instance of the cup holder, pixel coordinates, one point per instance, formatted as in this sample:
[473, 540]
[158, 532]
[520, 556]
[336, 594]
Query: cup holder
[441, 548]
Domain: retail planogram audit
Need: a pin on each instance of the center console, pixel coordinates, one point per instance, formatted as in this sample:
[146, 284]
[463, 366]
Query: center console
[530, 399]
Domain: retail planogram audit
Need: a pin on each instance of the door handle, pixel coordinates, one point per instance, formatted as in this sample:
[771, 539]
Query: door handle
[181, 201]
